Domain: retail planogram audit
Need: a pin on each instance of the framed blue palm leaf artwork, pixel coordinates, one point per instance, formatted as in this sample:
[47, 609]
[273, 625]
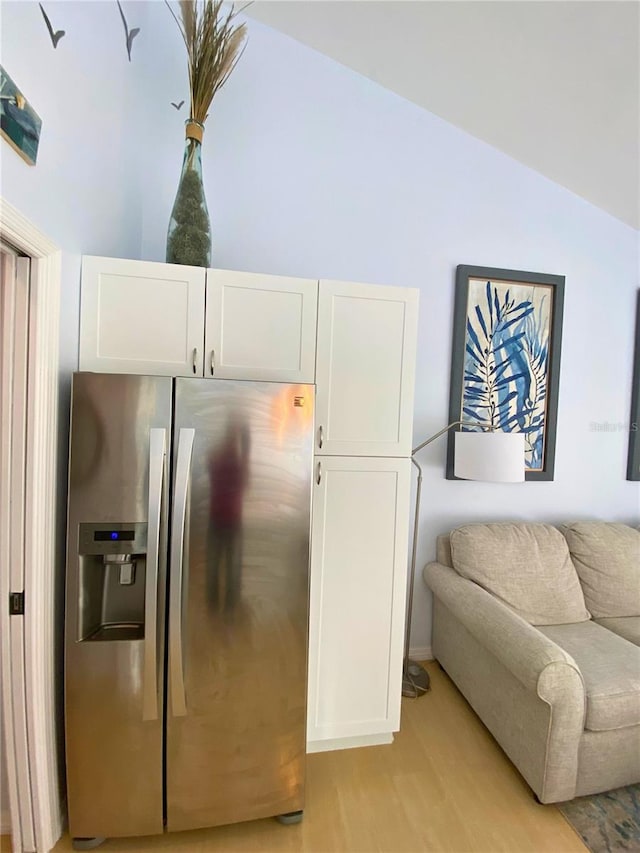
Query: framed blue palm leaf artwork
[506, 359]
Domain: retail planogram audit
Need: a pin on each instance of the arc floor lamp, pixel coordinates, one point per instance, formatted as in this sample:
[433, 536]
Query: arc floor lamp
[489, 456]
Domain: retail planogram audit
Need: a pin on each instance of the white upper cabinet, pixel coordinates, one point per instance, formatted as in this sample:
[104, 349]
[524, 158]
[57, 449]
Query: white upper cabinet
[141, 317]
[365, 369]
[260, 327]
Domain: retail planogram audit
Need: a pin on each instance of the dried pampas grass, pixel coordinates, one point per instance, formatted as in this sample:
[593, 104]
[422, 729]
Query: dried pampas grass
[214, 46]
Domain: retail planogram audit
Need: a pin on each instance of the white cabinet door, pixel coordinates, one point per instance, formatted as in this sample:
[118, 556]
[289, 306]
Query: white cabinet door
[357, 601]
[141, 317]
[365, 369]
[260, 327]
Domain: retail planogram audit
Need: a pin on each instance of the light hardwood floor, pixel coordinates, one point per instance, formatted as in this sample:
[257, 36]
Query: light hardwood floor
[443, 785]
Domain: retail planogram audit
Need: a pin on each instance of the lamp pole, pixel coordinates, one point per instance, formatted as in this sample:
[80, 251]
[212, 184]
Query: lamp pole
[415, 678]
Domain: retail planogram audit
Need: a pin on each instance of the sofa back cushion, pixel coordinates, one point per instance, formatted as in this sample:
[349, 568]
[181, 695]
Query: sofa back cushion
[526, 566]
[607, 558]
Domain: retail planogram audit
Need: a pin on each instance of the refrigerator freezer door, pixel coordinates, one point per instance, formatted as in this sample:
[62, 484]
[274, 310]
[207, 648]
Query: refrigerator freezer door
[114, 622]
[236, 749]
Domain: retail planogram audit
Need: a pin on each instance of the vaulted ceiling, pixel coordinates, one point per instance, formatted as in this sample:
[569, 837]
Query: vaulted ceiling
[555, 84]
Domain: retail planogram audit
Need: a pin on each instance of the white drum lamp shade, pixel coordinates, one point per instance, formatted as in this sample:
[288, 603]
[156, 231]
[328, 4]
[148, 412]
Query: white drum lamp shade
[492, 457]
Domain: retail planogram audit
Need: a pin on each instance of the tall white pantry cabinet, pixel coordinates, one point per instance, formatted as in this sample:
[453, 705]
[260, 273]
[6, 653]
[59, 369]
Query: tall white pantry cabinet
[357, 343]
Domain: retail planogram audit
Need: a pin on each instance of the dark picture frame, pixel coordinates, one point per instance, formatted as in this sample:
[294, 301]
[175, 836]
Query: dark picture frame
[633, 461]
[505, 362]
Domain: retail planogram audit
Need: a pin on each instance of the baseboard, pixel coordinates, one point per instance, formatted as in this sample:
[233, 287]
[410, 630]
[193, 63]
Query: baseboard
[421, 653]
[349, 742]
[5, 823]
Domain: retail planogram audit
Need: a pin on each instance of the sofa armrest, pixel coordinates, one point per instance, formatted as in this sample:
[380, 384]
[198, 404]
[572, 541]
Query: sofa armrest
[524, 650]
[546, 752]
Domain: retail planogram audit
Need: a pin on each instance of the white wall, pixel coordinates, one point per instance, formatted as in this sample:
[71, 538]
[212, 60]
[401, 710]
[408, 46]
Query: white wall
[312, 170]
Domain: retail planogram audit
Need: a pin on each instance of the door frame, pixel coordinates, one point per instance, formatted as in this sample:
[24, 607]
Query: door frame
[41, 642]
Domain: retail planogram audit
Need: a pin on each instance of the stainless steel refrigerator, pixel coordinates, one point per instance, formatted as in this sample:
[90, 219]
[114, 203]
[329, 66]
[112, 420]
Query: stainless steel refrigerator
[186, 602]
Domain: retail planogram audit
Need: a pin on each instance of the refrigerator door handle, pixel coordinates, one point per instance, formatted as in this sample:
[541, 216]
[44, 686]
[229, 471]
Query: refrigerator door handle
[180, 498]
[157, 452]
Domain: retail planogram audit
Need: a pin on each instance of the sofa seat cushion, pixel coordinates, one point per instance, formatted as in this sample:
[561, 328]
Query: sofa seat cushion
[624, 626]
[526, 566]
[610, 667]
[606, 556]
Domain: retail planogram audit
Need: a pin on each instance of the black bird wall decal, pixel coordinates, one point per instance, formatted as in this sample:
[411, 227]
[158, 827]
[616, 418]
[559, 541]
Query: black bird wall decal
[55, 35]
[130, 34]
[177, 106]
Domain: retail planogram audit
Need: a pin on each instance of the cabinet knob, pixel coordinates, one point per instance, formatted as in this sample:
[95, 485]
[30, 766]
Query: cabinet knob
[195, 359]
[320, 436]
[319, 473]
[213, 361]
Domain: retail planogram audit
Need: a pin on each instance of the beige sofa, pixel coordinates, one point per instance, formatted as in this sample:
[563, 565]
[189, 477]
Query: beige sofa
[539, 628]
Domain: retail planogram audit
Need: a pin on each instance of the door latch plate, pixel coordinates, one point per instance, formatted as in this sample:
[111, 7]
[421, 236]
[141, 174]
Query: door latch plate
[16, 604]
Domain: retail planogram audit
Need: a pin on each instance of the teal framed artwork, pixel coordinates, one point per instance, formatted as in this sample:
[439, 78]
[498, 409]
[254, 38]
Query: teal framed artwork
[20, 125]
